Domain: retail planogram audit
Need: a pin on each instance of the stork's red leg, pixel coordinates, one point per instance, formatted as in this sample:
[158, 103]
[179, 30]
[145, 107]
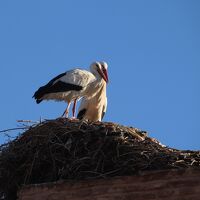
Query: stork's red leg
[74, 108]
[66, 112]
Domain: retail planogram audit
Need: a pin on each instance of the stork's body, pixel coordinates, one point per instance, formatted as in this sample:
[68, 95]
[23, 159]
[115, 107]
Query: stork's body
[72, 85]
[94, 108]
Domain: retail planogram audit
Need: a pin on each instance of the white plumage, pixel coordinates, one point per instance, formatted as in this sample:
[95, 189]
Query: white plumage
[76, 77]
[72, 85]
[94, 108]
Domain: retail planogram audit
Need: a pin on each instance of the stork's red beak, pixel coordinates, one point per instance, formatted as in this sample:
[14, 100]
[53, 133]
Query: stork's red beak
[104, 74]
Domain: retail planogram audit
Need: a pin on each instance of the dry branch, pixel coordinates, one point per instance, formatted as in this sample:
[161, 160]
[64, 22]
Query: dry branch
[13, 129]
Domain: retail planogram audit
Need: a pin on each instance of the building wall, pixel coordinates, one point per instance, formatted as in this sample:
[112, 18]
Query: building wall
[157, 185]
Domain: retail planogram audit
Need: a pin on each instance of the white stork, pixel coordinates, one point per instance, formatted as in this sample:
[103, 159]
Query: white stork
[94, 108]
[72, 85]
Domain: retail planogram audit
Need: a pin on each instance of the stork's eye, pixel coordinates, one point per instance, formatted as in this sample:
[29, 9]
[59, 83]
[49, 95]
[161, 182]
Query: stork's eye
[97, 65]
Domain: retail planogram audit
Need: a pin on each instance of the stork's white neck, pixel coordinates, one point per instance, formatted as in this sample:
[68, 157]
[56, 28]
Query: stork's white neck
[97, 76]
[101, 91]
[95, 87]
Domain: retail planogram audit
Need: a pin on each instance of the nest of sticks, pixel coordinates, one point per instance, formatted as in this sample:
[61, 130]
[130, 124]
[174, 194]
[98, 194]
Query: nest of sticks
[62, 149]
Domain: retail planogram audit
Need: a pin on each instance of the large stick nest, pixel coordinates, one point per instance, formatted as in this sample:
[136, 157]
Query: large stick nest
[63, 149]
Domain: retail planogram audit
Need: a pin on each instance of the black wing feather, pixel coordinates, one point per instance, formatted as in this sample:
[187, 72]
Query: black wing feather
[59, 86]
[56, 78]
[102, 115]
[81, 114]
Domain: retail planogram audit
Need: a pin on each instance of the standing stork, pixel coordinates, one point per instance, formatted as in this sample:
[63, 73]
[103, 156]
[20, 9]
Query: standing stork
[94, 108]
[72, 85]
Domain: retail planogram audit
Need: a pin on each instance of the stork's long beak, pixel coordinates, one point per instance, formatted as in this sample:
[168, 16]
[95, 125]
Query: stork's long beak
[104, 74]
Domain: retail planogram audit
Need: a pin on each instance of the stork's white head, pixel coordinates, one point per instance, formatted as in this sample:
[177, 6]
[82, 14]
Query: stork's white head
[99, 69]
[104, 64]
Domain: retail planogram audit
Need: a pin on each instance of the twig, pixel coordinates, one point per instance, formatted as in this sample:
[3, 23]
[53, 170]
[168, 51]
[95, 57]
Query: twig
[29, 121]
[13, 129]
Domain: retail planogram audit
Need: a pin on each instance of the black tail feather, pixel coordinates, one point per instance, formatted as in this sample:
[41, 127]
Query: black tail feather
[59, 86]
[39, 101]
[39, 94]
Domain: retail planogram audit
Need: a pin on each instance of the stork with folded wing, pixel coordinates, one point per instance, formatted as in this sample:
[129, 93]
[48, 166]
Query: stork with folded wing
[72, 85]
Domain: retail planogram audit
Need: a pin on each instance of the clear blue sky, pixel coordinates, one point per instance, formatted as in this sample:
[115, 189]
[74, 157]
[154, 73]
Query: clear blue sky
[152, 48]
